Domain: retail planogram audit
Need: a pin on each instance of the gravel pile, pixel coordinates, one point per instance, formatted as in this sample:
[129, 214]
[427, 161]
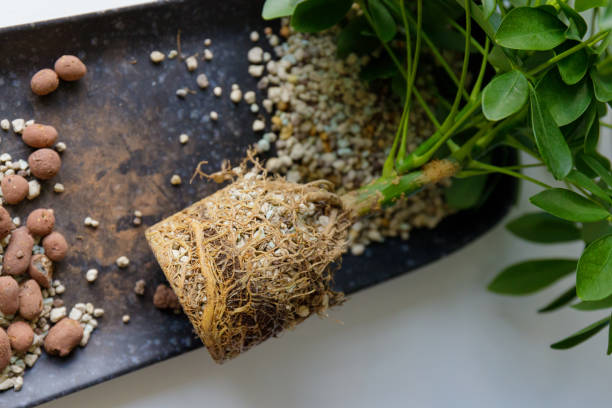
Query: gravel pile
[327, 123]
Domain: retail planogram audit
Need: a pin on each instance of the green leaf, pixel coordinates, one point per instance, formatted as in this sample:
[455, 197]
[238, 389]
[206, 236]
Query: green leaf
[591, 231]
[530, 276]
[568, 205]
[559, 302]
[574, 17]
[605, 19]
[602, 84]
[465, 193]
[581, 180]
[526, 28]
[576, 132]
[549, 139]
[352, 39]
[595, 164]
[499, 59]
[572, 68]
[594, 273]
[278, 8]
[543, 228]
[581, 335]
[582, 5]
[504, 95]
[589, 305]
[311, 16]
[382, 20]
[488, 7]
[566, 103]
[609, 350]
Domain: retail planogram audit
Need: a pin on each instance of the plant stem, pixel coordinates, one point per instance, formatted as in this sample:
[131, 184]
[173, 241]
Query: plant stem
[484, 166]
[415, 63]
[567, 53]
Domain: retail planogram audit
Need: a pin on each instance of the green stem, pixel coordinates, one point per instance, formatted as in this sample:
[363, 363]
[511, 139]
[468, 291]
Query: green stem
[502, 170]
[605, 124]
[481, 73]
[475, 43]
[464, 70]
[399, 66]
[568, 52]
[415, 63]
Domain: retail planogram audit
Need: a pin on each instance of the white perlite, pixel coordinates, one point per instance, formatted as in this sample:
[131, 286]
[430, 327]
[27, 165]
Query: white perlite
[214, 115]
[256, 70]
[60, 147]
[217, 91]
[175, 180]
[58, 188]
[202, 81]
[33, 189]
[183, 138]
[255, 55]
[122, 262]
[91, 275]
[236, 95]
[249, 97]
[125, 319]
[172, 54]
[18, 125]
[157, 57]
[57, 314]
[5, 124]
[191, 63]
[208, 55]
[254, 36]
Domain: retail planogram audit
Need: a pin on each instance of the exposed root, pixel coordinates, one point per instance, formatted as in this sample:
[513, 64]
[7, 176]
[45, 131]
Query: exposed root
[253, 259]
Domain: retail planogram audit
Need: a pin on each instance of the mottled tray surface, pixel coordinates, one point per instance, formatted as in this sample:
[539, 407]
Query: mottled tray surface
[121, 124]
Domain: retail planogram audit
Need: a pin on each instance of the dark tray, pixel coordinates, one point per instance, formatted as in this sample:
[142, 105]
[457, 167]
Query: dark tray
[121, 124]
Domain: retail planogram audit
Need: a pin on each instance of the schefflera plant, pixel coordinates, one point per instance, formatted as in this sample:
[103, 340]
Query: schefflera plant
[543, 83]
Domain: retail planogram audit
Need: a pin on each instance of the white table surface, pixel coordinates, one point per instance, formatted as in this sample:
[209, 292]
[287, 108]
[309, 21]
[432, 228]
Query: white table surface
[433, 338]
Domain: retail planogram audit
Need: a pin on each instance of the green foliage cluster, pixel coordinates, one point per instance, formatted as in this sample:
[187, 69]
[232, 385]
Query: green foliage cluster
[543, 84]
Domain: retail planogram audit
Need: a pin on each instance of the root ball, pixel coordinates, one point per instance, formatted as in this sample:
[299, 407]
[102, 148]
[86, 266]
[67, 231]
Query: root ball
[253, 259]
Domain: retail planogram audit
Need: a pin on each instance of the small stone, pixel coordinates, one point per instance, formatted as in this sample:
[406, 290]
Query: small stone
[30, 359]
[137, 221]
[175, 180]
[202, 81]
[33, 189]
[75, 314]
[139, 287]
[249, 97]
[18, 125]
[263, 145]
[208, 55]
[91, 275]
[256, 70]
[122, 261]
[182, 92]
[207, 42]
[58, 188]
[157, 57]
[255, 55]
[258, 125]
[357, 249]
[60, 147]
[254, 108]
[214, 115]
[60, 289]
[184, 138]
[125, 319]
[137, 213]
[254, 36]
[5, 124]
[57, 313]
[236, 95]
[18, 383]
[191, 63]
[99, 312]
[303, 311]
[217, 91]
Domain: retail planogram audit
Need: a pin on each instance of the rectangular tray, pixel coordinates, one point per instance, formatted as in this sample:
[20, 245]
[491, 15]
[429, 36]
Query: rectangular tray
[121, 124]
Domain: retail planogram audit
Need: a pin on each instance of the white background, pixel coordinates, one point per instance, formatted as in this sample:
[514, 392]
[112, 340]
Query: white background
[433, 338]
